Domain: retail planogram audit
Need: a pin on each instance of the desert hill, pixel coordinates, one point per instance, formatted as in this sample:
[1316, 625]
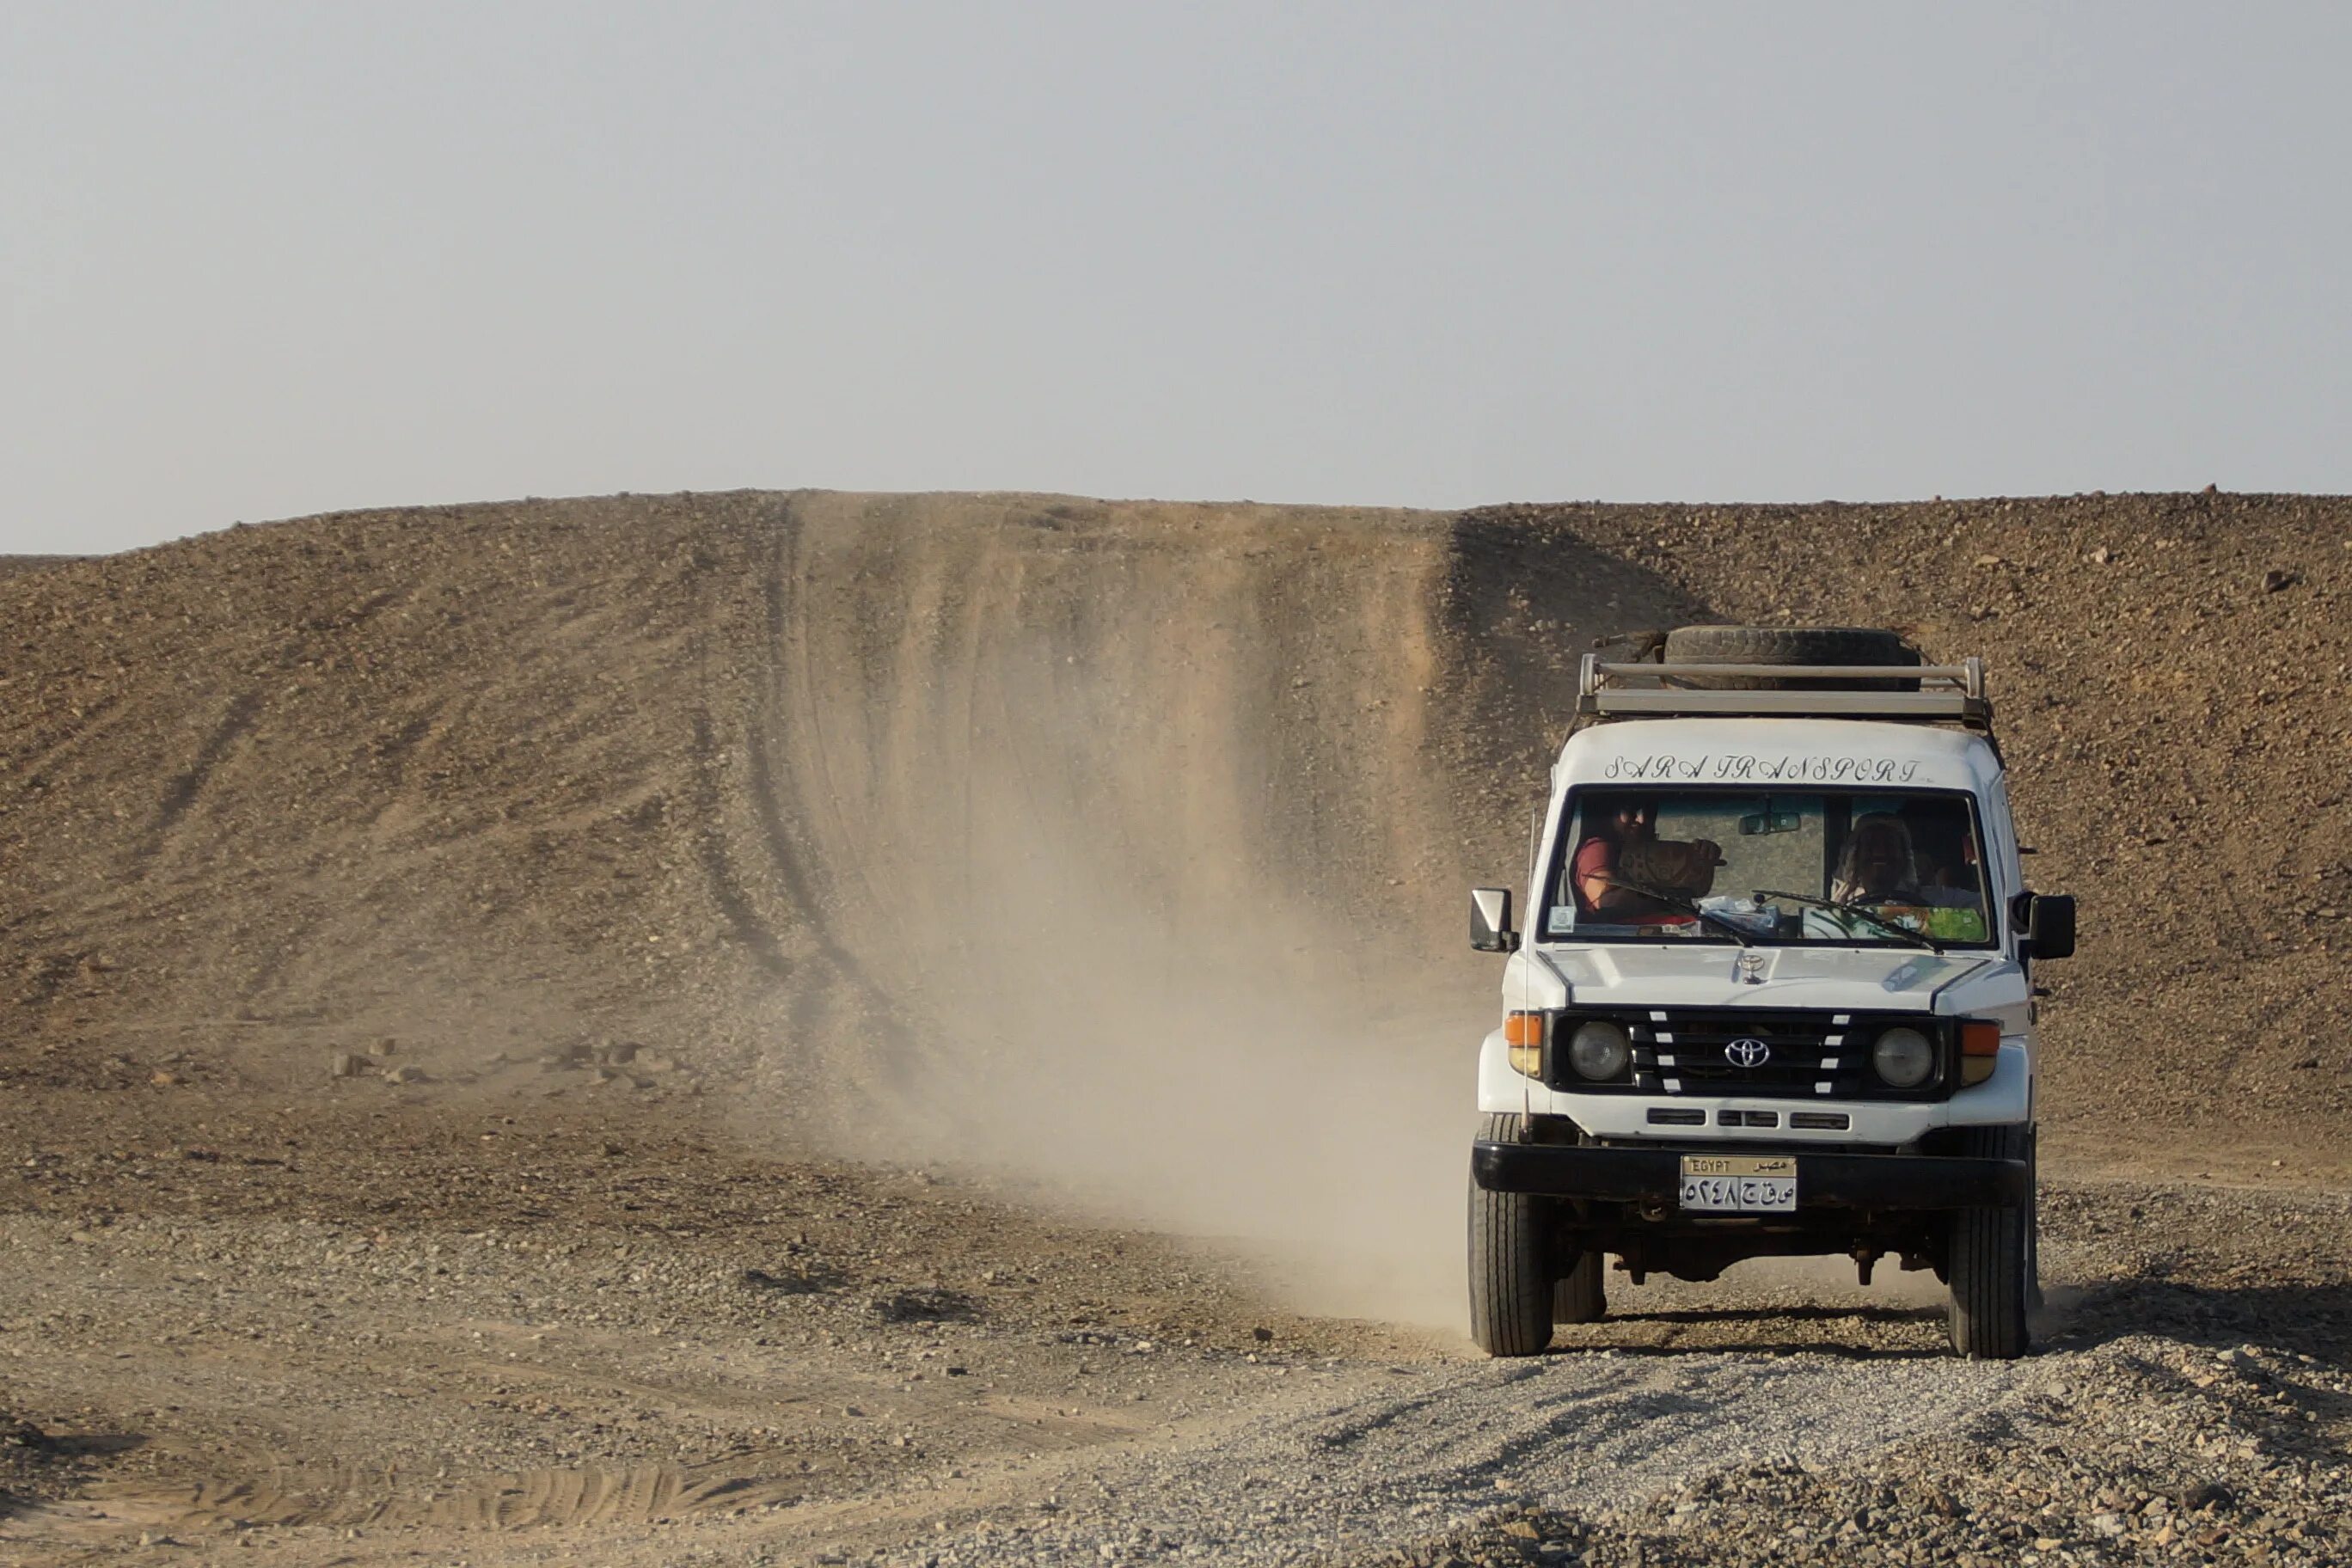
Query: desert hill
[784, 788]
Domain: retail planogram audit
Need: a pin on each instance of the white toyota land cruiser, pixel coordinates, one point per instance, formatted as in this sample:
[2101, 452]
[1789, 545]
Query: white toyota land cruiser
[1774, 994]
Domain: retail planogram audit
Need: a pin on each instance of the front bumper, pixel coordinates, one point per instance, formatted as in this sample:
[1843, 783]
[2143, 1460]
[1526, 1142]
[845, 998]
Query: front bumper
[1883, 1181]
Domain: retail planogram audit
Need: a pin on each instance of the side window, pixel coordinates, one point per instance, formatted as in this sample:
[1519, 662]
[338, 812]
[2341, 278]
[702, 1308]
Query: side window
[2003, 871]
[1561, 916]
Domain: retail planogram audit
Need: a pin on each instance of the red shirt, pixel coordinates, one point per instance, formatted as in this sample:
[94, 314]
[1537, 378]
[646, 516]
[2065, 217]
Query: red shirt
[1598, 858]
[1594, 858]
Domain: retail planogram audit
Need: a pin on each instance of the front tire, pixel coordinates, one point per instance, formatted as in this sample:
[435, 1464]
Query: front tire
[1991, 1260]
[2034, 1301]
[1511, 1277]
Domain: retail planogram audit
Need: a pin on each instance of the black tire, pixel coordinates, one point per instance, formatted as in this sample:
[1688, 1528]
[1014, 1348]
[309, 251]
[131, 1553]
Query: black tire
[1788, 644]
[1580, 1294]
[1510, 1273]
[2034, 1298]
[1990, 1258]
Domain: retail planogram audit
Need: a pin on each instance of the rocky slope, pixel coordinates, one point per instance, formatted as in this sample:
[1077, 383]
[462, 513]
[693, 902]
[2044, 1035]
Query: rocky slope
[710, 770]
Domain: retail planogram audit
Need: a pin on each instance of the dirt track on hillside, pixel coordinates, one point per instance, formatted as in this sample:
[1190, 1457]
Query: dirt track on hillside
[830, 940]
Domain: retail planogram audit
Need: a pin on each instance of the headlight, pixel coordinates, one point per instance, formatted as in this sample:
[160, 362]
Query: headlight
[1599, 1050]
[1903, 1057]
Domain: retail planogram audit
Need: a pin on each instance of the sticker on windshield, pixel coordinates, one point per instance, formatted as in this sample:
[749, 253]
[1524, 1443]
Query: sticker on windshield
[1560, 922]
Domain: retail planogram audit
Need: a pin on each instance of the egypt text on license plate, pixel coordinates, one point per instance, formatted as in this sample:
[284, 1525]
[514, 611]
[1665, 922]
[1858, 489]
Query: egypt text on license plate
[1739, 1184]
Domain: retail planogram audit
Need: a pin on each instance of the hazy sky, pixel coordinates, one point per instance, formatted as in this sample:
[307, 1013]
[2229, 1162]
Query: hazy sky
[257, 260]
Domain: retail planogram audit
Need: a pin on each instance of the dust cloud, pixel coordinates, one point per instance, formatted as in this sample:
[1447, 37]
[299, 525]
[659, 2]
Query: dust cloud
[1122, 991]
[1239, 1079]
[1138, 847]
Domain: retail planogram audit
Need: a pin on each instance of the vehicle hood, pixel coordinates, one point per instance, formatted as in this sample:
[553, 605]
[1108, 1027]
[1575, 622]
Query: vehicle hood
[1894, 980]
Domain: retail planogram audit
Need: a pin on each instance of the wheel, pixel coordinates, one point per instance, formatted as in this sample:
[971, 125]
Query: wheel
[1788, 644]
[1580, 1296]
[1990, 1258]
[2034, 1299]
[1510, 1277]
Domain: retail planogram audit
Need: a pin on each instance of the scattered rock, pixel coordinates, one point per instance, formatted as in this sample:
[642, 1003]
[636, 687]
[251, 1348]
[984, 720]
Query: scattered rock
[792, 1282]
[936, 1305]
[2205, 1496]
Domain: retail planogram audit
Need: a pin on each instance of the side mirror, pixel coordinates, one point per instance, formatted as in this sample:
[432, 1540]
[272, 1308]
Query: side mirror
[1490, 919]
[2049, 925]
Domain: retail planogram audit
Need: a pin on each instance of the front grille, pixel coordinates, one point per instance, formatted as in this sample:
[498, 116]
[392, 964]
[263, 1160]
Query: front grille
[1769, 1054]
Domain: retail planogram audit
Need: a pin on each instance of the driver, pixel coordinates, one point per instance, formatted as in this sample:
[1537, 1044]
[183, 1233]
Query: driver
[1624, 846]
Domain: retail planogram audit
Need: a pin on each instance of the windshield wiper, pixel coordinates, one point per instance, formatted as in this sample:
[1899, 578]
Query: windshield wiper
[1681, 905]
[1853, 907]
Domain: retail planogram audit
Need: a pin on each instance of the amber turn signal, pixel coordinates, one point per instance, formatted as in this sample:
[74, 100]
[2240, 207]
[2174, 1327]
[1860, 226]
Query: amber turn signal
[1979, 1048]
[1523, 1033]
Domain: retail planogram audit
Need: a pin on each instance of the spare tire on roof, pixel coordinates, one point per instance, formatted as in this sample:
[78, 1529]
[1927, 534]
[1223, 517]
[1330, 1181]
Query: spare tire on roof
[1790, 646]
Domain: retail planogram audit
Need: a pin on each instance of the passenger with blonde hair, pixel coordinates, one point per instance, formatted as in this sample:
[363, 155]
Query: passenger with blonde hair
[1880, 865]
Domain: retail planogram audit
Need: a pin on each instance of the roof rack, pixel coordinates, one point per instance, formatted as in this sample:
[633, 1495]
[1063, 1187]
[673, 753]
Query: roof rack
[1945, 693]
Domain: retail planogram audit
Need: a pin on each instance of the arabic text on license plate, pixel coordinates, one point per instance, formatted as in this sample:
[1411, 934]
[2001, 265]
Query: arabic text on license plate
[1739, 1184]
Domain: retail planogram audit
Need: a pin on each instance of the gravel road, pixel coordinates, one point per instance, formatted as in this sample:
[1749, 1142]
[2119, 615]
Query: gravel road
[1359, 1455]
[2144, 1431]
[649, 1347]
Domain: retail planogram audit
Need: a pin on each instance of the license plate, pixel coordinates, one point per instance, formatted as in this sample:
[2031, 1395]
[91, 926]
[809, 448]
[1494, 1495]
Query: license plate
[1739, 1184]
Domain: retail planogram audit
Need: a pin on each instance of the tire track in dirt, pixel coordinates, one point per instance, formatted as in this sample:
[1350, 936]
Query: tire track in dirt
[93, 722]
[790, 609]
[850, 999]
[523, 1499]
[181, 794]
[394, 754]
[752, 932]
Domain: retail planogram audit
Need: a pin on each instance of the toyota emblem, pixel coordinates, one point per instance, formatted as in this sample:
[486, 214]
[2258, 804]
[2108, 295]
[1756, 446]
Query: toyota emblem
[1748, 1052]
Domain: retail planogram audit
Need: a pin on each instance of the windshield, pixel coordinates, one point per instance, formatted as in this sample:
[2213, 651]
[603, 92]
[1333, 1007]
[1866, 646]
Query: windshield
[1799, 867]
